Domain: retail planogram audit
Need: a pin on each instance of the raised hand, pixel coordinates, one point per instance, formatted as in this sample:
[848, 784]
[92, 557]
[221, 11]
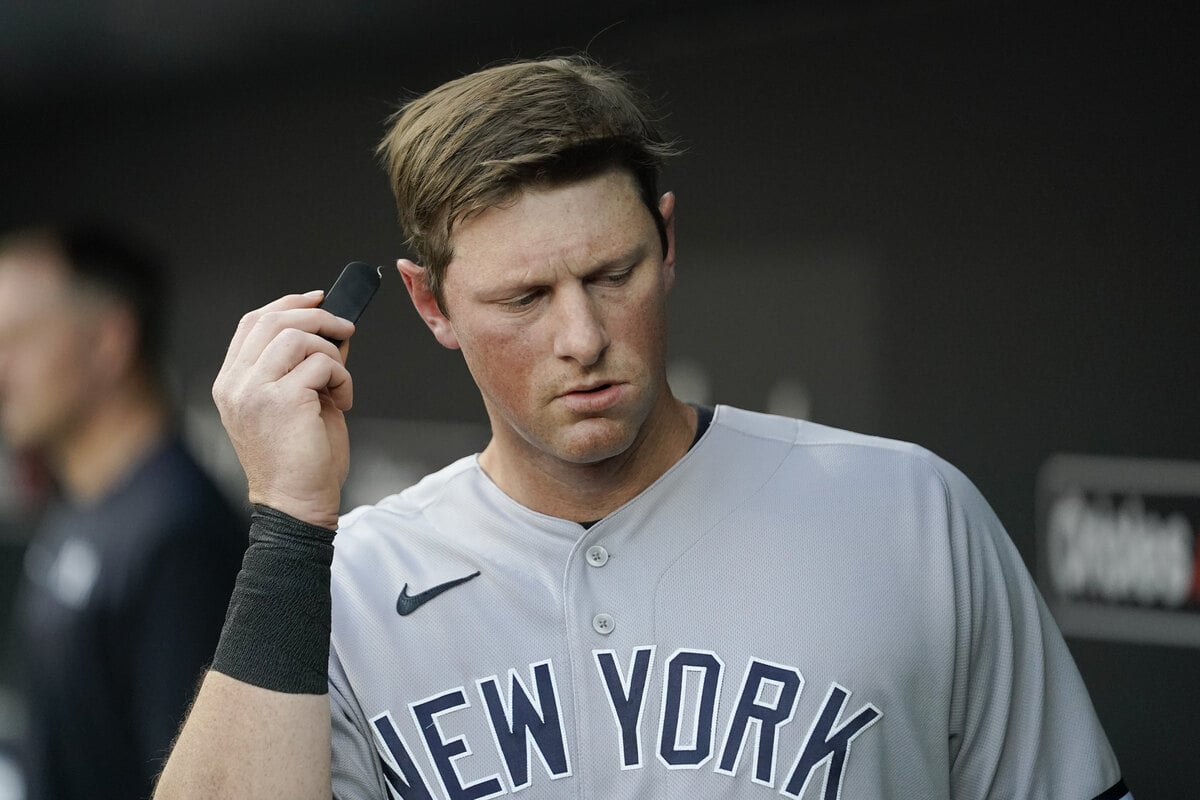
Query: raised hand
[282, 393]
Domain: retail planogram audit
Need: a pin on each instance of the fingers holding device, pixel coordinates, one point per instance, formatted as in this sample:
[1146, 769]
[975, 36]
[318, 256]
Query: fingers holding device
[282, 393]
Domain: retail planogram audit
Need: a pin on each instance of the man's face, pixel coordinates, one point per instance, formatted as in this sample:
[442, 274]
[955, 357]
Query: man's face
[46, 344]
[558, 302]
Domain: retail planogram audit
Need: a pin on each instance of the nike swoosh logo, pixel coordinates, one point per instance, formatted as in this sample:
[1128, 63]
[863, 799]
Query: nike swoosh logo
[407, 604]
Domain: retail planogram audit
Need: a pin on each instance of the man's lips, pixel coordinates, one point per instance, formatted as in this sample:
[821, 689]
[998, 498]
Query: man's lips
[593, 397]
[588, 389]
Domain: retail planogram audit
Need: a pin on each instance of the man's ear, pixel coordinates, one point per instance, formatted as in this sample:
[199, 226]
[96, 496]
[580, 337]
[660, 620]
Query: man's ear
[416, 282]
[666, 207]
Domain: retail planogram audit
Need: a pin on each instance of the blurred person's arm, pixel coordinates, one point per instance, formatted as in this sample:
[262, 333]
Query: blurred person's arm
[260, 724]
[174, 624]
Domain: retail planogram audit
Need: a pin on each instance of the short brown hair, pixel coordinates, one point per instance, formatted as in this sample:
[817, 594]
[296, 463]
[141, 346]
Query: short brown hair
[478, 140]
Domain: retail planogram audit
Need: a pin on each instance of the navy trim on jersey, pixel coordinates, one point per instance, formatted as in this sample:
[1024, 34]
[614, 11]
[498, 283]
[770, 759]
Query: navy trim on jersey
[704, 415]
[1118, 791]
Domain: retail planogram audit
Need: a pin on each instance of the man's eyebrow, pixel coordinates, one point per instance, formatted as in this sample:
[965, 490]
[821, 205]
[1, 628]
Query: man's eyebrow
[626, 258]
[629, 257]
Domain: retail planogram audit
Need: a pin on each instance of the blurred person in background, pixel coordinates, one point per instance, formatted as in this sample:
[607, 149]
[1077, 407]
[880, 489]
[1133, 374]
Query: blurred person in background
[127, 578]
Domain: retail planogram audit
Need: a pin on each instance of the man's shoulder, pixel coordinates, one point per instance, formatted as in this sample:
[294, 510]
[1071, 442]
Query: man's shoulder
[170, 481]
[808, 441]
[410, 502]
[805, 433]
[166, 497]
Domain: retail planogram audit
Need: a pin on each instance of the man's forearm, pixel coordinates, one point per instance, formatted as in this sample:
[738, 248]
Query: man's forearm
[260, 726]
[245, 742]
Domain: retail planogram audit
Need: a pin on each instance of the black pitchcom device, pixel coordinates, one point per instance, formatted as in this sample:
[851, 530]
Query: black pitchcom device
[351, 292]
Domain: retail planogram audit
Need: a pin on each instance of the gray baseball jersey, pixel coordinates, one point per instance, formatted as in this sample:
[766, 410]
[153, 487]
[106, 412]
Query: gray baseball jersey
[790, 609]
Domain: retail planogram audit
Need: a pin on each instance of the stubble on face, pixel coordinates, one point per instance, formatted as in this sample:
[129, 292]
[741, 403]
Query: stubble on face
[558, 301]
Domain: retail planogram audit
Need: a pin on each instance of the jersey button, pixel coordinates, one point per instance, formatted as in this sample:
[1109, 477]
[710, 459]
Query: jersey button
[597, 556]
[603, 623]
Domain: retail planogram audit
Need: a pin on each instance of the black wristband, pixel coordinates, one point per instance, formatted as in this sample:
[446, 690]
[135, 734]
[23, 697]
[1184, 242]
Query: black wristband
[276, 632]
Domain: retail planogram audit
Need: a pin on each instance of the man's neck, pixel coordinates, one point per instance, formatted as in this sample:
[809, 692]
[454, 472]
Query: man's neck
[586, 492]
[119, 433]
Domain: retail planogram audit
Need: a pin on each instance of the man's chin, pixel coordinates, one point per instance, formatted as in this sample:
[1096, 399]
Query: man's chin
[596, 441]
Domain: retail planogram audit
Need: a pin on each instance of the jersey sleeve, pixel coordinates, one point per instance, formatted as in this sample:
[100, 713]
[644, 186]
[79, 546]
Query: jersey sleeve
[355, 767]
[1022, 724]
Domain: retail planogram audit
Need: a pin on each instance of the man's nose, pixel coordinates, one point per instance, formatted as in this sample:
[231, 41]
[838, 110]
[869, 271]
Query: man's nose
[579, 329]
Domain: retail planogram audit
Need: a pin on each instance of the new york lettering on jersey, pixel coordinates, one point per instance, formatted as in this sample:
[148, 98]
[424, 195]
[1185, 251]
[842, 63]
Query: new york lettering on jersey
[690, 731]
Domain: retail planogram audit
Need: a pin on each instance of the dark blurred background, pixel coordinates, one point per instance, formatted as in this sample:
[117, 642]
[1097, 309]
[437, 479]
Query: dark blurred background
[974, 225]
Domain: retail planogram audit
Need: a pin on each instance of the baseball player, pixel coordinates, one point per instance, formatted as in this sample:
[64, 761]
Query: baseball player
[622, 596]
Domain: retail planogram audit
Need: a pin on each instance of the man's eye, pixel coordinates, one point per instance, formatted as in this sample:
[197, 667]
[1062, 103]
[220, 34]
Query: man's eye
[615, 278]
[523, 301]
